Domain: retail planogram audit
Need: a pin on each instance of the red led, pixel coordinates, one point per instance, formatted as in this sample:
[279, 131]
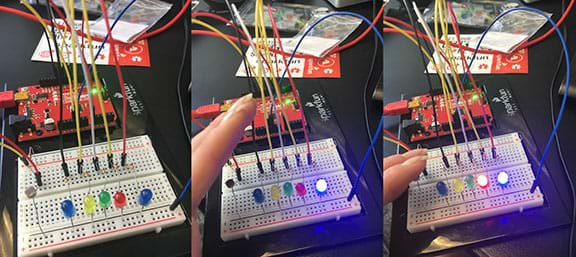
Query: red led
[482, 181]
[300, 189]
[119, 200]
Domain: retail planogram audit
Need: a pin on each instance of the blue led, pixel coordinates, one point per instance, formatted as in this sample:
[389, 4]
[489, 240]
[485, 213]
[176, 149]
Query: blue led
[442, 188]
[502, 178]
[321, 186]
[145, 197]
[68, 209]
[258, 195]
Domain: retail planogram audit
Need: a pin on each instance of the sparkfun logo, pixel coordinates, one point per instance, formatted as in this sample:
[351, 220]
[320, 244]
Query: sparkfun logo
[136, 105]
[505, 99]
[320, 105]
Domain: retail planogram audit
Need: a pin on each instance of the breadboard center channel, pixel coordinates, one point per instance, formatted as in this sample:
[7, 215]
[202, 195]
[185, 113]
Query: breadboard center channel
[472, 190]
[285, 198]
[44, 230]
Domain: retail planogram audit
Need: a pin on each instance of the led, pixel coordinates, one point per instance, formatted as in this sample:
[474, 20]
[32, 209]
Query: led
[442, 188]
[275, 192]
[503, 178]
[68, 208]
[321, 186]
[482, 181]
[145, 197]
[300, 189]
[119, 200]
[288, 189]
[258, 195]
[105, 200]
[470, 183]
[458, 185]
[89, 204]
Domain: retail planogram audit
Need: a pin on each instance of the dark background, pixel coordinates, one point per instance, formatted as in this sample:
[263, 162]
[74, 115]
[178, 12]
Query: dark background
[213, 68]
[155, 86]
[404, 74]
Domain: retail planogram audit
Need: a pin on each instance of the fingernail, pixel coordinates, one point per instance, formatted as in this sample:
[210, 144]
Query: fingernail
[415, 152]
[415, 159]
[238, 106]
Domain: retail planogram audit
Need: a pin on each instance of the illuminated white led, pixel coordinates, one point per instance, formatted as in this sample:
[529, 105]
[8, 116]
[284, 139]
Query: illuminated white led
[321, 186]
[503, 178]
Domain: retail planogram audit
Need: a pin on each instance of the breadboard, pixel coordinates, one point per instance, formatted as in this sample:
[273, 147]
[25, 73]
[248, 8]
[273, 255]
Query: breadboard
[140, 153]
[43, 229]
[427, 209]
[242, 216]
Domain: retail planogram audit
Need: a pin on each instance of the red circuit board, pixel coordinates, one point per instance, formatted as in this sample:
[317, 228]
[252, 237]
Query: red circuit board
[291, 111]
[421, 123]
[38, 104]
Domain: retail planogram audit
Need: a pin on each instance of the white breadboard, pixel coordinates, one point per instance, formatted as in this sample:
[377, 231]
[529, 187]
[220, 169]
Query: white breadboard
[427, 209]
[140, 154]
[242, 217]
[46, 231]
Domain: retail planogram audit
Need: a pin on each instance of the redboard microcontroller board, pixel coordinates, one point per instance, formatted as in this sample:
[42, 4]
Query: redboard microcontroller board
[39, 112]
[421, 123]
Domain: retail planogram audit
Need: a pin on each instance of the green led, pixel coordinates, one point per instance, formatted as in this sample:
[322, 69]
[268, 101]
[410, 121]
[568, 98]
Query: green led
[288, 101]
[105, 199]
[94, 91]
[475, 97]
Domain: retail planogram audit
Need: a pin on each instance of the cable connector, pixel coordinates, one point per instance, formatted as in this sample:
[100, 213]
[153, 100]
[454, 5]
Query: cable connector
[25, 161]
[80, 166]
[38, 177]
[238, 173]
[123, 159]
[483, 153]
[309, 158]
[259, 164]
[285, 161]
[298, 160]
[65, 169]
[110, 161]
[209, 111]
[494, 155]
[272, 166]
[96, 163]
[7, 99]
[396, 108]
[457, 158]
[470, 156]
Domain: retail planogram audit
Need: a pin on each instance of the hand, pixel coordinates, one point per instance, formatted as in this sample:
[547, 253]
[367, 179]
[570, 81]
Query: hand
[400, 170]
[211, 149]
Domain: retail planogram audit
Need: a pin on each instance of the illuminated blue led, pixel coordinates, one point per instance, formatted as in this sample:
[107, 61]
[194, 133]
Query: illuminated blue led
[321, 186]
[68, 209]
[145, 197]
[502, 178]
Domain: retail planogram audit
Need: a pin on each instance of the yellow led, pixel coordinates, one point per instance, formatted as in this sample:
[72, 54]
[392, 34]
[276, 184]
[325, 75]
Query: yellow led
[276, 193]
[89, 204]
[458, 185]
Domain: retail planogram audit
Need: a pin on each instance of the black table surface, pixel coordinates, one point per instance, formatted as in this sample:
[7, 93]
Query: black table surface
[213, 78]
[403, 74]
[155, 86]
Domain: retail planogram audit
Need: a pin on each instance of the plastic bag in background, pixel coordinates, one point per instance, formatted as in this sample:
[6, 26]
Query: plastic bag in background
[474, 13]
[288, 17]
[92, 6]
[139, 17]
[325, 35]
[507, 34]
